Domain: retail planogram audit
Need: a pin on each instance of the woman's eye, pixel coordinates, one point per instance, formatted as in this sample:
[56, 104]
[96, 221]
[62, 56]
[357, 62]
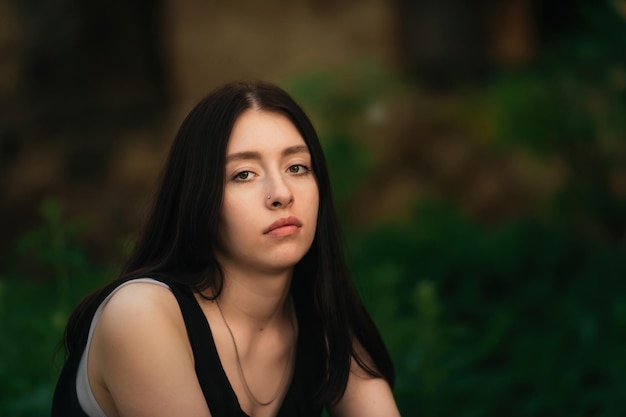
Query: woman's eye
[243, 176]
[298, 169]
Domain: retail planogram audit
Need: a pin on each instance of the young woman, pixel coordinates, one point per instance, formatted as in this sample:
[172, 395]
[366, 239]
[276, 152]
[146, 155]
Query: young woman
[236, 300]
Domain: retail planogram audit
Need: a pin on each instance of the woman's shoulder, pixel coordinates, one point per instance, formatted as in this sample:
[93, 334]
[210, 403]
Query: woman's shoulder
[140, 301]
[149, 289]
[138, 313]
[140, 347]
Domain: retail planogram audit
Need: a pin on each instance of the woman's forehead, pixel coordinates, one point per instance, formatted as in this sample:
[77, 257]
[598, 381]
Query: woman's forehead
[258, 130]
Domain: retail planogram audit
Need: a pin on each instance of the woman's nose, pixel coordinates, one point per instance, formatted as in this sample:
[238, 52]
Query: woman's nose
[279, 193]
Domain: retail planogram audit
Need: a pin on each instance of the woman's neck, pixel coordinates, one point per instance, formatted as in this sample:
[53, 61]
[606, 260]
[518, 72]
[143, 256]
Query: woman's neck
[259, 299]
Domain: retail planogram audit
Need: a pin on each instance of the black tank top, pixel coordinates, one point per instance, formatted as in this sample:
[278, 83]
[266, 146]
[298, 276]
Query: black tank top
[219, 395]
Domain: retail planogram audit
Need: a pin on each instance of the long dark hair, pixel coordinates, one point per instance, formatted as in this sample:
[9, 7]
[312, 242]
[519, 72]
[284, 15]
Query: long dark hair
[181, 230]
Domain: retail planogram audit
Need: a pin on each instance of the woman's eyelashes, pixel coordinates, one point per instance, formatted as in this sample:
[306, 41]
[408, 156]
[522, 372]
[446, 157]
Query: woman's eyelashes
[299, 169]
[243, 176]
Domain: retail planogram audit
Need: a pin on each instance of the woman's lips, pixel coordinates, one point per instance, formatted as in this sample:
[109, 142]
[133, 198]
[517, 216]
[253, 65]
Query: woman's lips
[283, 227]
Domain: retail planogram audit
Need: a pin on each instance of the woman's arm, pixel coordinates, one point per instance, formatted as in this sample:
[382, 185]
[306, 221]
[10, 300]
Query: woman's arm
[140, 362]
[365, 395]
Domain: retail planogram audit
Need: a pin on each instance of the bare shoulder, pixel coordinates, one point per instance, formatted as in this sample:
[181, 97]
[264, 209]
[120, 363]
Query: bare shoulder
[145, 301]
[138, 317]
[141, 361]
[365, 395]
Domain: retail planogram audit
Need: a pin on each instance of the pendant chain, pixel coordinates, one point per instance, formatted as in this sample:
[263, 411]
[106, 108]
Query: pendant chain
[240, 367]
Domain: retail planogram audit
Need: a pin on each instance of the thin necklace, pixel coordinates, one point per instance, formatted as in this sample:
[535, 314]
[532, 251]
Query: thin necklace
[240, 367]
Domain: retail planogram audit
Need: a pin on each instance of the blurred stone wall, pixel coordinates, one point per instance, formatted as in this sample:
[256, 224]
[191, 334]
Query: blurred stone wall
[91, 94]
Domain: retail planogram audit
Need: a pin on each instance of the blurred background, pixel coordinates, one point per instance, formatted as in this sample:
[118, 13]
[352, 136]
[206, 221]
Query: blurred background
[477, 149]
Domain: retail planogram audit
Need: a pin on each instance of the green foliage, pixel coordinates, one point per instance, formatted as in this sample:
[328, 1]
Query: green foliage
[524, 320]
[574, 95]
[50, 274]
[570, 108]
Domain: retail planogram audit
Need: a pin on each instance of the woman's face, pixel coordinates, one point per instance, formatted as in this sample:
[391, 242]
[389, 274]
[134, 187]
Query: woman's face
[269, 211]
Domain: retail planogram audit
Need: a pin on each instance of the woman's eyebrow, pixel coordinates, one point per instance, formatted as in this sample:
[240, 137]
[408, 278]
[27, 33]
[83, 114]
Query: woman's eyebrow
[238, 156]
[242, 155]
[295, 149]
